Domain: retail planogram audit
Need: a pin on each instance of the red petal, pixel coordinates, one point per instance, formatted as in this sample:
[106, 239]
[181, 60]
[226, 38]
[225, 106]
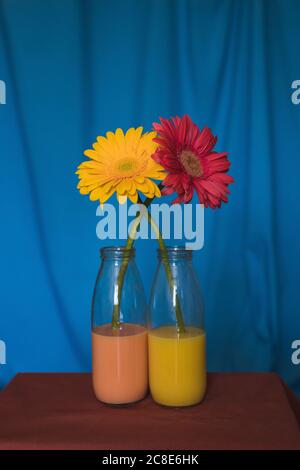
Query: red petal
[206, 141]
[188, 196]
[218, 166]
[178, 200]
[182, 130]
[167, 191]
[223, 178]
[215, 155]
[172, 179]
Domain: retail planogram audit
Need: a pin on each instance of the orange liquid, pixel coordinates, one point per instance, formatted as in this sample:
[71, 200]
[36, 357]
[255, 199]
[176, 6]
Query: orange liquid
[120, 363]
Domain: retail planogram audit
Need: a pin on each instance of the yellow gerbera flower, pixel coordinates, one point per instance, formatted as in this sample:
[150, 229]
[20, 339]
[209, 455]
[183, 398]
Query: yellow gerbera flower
[122, 164]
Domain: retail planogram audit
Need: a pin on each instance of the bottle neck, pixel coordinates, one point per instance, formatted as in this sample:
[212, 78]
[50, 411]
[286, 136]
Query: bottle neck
[117, 253]
[175, 254]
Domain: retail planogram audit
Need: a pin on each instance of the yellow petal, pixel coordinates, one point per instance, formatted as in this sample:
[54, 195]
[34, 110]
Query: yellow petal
[85, 190]
[91, 164]
[150, 185]
[157, 191]
[95, 194]
[102, 141]
[139, 179]
[106, 187]
[120, 137]
[147, 145]
[132, 138]
[147, 141]
[105, 196]
[142, 186]
[92, 154]
[111, 138]
[89, 179]
[89, 172]
[102, 153]
[132, 190]
[87, 182]
[157, 175]
[123, 186]
[133, 197]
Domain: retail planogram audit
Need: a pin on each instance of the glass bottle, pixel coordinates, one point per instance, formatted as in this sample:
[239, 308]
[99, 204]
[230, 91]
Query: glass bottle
[176, 336]
[119, 333]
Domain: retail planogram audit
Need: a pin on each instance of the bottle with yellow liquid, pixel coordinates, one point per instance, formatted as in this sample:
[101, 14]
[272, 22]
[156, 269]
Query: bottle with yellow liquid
[176, 337]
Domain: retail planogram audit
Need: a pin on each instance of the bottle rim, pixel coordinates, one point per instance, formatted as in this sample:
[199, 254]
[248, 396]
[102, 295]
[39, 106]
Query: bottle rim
[175, 252]
[117, 252]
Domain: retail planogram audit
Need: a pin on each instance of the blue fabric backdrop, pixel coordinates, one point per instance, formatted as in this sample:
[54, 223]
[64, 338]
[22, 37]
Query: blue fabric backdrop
[74, 69]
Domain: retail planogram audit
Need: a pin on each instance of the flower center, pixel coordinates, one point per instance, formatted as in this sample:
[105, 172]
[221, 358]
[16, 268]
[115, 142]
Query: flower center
[126, 165]
[191, 163]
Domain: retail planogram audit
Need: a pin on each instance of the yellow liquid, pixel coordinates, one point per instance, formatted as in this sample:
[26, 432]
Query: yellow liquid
[177, 366]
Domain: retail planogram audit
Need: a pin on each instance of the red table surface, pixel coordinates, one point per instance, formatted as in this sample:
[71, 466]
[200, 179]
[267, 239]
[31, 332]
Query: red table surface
[59, 411]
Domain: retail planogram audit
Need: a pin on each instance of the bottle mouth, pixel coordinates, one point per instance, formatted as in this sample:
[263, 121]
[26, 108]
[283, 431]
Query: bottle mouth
[174, 253]
[117, 252]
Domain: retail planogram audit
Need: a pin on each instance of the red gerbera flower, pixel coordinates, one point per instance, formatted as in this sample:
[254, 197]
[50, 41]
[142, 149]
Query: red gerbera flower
[187, 155]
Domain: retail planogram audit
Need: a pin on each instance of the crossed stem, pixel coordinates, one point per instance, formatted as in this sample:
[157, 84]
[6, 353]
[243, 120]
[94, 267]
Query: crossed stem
[165, 258]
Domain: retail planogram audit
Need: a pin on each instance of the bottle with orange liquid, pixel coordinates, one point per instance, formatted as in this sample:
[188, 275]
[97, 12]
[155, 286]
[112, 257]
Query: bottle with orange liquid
[119, 333]
[177, 363]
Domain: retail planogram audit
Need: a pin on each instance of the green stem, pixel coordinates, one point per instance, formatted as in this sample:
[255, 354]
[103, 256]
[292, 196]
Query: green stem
[166, 262]
[129, 244]
[121, 275]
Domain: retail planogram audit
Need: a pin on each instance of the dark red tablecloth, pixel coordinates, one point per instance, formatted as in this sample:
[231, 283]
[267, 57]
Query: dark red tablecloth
[59, 411]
